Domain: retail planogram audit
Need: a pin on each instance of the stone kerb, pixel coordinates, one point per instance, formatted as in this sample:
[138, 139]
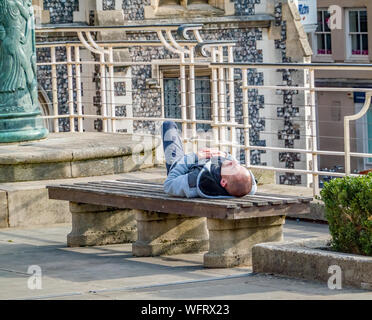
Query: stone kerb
[312, 260]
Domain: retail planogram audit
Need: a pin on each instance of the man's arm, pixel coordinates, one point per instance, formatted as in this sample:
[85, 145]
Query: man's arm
[208, 153]
[177, 183]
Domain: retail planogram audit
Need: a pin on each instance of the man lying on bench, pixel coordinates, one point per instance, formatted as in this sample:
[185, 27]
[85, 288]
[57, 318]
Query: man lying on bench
[209, 174]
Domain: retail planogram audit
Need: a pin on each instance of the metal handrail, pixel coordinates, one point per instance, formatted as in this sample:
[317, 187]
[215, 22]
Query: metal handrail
[297, 66]
[218, 62]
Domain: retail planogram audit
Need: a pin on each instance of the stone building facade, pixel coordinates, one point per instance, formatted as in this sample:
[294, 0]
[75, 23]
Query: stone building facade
[347, 40]
[265, 31]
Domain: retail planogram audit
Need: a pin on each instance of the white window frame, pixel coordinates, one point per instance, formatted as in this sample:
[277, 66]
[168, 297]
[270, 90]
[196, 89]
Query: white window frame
[349, 54]
[315, 40]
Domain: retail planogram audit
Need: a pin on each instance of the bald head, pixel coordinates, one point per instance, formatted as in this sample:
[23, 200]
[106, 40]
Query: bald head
[235, 179]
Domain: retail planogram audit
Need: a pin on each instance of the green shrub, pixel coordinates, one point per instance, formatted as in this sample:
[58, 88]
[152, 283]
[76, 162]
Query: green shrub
[348, 204]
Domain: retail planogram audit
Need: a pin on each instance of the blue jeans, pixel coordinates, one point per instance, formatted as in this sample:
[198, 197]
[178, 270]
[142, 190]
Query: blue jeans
[172, 144]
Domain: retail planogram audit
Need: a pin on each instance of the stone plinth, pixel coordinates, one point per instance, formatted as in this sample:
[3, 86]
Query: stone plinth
[73, 155]
[231, 241]
[166, 234]
[314, 260]
[98, 225]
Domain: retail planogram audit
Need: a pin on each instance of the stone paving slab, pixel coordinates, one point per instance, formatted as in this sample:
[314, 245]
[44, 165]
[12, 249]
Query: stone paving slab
[111, 272]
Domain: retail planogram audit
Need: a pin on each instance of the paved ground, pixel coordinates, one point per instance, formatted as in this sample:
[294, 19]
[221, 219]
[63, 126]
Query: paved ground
[111, 272]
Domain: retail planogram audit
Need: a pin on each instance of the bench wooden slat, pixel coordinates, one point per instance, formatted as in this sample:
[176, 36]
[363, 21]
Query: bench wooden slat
[119, 200]
[245, 201]
[150, 195]
[139, 181]
[135, 183]
[239, 201]
[232, 202]
[125, 189]
[273, 199]
[287, 198]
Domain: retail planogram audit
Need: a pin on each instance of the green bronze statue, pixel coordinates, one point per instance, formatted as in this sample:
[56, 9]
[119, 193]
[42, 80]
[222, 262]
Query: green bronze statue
[19, 106]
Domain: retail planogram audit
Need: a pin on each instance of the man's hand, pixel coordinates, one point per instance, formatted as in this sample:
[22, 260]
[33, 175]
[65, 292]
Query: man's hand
[208, 153]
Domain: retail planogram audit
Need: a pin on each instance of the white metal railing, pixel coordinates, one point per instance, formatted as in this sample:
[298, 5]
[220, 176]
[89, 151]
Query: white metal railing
[190, 54]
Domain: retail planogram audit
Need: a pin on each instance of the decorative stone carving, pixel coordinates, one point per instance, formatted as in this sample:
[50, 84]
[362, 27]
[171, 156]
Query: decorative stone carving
[18, 85]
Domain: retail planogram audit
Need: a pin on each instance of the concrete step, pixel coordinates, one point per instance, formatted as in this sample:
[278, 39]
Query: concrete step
[74, 155]
[25, 204]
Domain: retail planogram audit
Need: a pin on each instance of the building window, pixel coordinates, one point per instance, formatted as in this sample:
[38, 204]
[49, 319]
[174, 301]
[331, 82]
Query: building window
[203, 101]
[357, 32]
[323, 33]
[172, 100]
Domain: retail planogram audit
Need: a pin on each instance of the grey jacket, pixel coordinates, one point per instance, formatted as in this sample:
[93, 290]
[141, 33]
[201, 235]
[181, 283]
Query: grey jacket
[177, 183]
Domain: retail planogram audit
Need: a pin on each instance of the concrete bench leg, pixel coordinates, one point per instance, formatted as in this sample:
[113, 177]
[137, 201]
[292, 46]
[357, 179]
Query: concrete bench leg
[167, 234]
[231, 241]
[99, 225]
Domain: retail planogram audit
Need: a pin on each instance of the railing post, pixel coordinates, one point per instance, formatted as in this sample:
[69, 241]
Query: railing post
[222, 97]
[192, 101]
[183, 97]
[103, 91]
[70, 89]
[214, 88]
[54, 88]
[78, 89]
[246, 118]
[112, 89]
[347, 145]
[314, 134]
[232, 101]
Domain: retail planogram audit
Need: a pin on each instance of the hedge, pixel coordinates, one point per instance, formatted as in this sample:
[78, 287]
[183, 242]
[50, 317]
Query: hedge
[348, 204]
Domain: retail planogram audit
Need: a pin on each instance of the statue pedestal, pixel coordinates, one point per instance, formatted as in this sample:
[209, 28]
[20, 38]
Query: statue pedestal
[21, 127]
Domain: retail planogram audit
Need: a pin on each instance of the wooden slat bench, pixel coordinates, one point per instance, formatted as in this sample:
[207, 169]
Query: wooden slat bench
[120, 211]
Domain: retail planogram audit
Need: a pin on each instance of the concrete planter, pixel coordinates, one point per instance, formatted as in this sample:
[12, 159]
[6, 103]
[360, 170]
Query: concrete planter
[311, 259]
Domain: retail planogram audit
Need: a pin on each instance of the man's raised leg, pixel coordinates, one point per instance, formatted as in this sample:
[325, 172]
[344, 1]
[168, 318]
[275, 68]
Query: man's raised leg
[172, 144]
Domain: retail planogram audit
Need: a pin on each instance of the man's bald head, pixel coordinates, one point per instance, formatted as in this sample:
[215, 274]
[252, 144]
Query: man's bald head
[235, 179]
